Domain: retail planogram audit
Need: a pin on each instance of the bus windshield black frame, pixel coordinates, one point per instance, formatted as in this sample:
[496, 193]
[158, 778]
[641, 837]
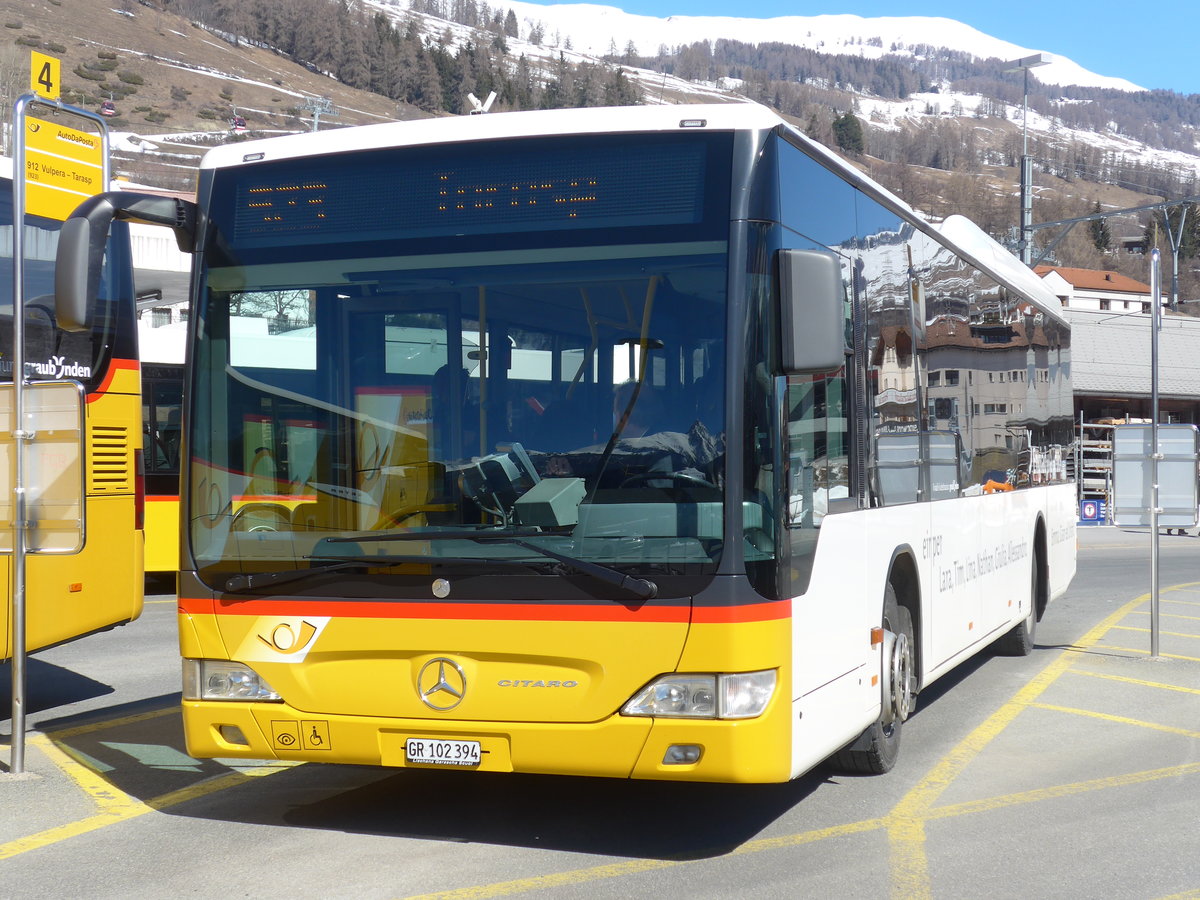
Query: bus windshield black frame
[415, 338]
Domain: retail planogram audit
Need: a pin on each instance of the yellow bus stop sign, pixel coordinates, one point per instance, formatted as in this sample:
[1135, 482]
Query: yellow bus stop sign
[63, 167]
[43, 76]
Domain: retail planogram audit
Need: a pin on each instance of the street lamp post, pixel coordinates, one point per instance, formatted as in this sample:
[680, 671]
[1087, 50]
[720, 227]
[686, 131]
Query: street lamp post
[1023, 65]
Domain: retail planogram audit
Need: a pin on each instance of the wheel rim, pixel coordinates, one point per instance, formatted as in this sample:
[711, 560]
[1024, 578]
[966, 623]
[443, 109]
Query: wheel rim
[1031, 619]
[897, 690]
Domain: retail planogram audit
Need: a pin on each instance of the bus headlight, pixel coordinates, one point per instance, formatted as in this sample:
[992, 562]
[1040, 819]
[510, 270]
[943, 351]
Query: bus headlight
[741, 695]
[212, 679]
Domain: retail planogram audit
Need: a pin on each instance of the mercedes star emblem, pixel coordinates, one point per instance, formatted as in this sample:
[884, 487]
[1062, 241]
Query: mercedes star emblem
[441, 684]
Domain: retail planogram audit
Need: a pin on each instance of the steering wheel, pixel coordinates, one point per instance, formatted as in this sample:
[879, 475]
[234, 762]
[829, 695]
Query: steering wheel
[260, 517]
[682, 478]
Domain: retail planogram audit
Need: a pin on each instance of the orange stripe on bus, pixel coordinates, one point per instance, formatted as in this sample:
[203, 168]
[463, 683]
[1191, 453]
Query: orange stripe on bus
[751, 612]
[131, 364]
[274, 498]
[531, 612]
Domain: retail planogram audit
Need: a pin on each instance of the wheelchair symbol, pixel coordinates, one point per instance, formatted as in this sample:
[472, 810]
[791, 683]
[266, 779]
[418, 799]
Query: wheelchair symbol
[315, 733]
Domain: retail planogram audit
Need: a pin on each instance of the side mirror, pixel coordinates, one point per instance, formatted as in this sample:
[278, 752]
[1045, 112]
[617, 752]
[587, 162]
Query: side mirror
[812, 314]
[76, 274]
[82, 239]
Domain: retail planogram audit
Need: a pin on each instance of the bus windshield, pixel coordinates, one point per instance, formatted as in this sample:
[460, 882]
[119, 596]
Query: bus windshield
[554, 372]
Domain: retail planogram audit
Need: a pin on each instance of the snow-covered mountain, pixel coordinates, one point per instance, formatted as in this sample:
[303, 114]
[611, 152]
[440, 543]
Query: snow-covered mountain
[971, 110]
[595, 30]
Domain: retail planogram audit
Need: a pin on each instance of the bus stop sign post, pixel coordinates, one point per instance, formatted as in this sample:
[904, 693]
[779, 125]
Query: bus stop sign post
[71, 168]
[1154, 468]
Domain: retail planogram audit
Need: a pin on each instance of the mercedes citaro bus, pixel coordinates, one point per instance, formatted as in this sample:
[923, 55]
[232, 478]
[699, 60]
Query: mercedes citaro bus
[652, 442]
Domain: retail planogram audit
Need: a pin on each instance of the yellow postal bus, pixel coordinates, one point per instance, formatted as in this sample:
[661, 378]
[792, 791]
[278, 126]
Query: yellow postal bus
[69, 595]
[646, 442]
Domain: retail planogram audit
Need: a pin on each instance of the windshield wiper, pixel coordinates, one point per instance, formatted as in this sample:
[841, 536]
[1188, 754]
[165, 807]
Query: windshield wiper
[238, 583]
[641, 588]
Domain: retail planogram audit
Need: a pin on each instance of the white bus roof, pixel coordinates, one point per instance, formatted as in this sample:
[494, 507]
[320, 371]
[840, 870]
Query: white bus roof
[493, 126]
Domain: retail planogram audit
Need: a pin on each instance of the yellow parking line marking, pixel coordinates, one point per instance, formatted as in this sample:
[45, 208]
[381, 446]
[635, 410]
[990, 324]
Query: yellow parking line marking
[809, 837]
[1138, 681]
[906, 823]
[1122, 720]
[1141, 630]
[115, 805]
[634, 867]
[1062, 790]
[1142, 651]
[906, 833]
[583, 876]
[907, 861]
[1146, 612]
[104, 725]
[553, 880]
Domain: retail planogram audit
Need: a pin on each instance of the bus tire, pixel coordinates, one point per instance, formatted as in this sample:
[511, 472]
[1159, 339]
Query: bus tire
[877, 749]
[1019, 640]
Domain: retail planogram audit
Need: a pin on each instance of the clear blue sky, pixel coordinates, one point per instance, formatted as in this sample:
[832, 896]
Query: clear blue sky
[1153, 45]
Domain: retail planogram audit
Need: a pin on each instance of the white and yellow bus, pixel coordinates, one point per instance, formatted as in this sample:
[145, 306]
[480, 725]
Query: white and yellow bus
[644, 442]
[68, 595]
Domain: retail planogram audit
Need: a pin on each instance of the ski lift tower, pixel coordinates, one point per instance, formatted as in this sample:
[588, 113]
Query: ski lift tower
[478, 108]
[319, 106]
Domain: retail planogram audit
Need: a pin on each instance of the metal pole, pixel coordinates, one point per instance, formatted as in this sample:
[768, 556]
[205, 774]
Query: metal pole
[1025, 240]
[1026, 179]
[1025, 114]
[1155, 321]
[17, 759]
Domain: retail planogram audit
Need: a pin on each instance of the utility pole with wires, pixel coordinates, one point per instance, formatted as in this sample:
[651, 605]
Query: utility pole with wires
[1025, 242]
[1176, 239]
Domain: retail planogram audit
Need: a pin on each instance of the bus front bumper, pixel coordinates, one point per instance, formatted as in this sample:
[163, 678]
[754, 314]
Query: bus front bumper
[748, 750]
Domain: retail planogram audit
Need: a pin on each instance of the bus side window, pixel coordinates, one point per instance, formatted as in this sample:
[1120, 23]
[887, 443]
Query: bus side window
[168, 439]
[817, 447]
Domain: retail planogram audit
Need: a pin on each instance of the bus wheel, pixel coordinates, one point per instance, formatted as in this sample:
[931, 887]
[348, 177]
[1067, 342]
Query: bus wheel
[876, 749]
[1019, 641]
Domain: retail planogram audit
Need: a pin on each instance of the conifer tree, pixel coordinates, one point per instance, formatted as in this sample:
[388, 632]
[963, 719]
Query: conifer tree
[1100, 232]
[848, 133]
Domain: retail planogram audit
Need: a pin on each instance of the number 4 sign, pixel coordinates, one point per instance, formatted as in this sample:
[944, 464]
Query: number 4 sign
[43, 76]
